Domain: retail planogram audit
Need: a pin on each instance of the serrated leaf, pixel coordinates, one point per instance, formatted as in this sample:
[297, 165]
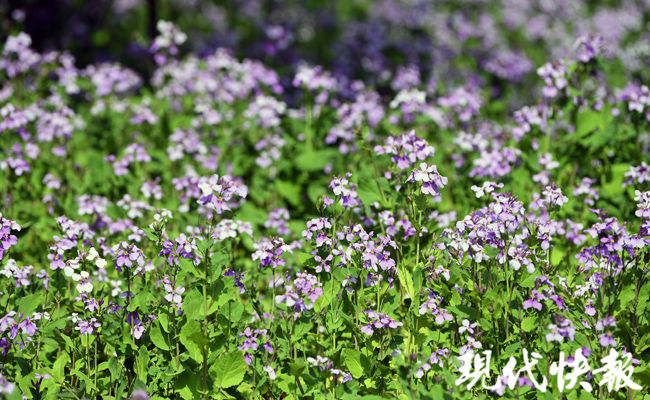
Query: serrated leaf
[188, 337]
[325, 299]
[143, 363]
[529, 323]
[406, 281]
[28, 304]
[114, 367]
[58, 368]
[188, 385]
[587, 121]
[157, 337]
[356, 362]
[229, 370]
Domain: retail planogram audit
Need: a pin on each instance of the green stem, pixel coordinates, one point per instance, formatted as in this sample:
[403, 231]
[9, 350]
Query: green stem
[88, 355]
[308, 132]
[205, 322]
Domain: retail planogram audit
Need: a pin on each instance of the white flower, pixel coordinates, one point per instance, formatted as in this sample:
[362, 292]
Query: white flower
[94, 255]
[271, 372]
[85, 284]
[117, 288]
[71, 266]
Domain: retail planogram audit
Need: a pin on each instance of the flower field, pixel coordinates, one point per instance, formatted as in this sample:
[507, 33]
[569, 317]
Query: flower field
[365, 200]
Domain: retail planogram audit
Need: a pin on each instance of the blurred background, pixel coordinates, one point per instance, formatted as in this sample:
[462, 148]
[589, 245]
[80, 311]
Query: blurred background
[375, 41]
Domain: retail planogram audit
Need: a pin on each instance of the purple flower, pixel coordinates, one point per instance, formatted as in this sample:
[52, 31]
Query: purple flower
[643, 206]
[127, 255]
[323, 263]
[271, 371]
[378, 321]
[301, 294]
[464, 101]
[182, 247]
[277, 220]
[6, 387]
[406, 149]
[238, 279]
[563, 328]
[7, 239]
[345, 191]
[18, 56]
[87, 327]
[174, 293]
[137, 328]
[250, 343]
[217, 193]
[431, 180]
[432, 305]
[532, 303]
[269, 252]
[607, 339]
[165, 44]
[554, 196]
[588, 47]
[641, 173]
[139, 394]
[555, 77]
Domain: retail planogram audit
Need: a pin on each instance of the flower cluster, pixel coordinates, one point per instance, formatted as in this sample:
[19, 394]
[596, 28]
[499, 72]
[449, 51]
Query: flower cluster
[324, 364]
[432, 305]
[165, 44]
[431, 180]
[174, 293]
[378, 321]
[217, 193]
[405, 150]
[301, 294]
[269, 252]
[345, 191]
[128, 255]
[251, 340]
[7, 239]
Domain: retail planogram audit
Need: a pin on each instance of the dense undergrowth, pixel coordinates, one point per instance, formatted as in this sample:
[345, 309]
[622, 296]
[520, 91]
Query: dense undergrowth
[197, 237]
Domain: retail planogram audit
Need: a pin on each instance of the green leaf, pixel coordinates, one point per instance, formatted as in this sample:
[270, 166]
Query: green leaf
[188, 337]
[149, 234]
[587, 121]
[297, 368]
[325, 299]
[163, 319]
[303, 258]
[529, 323]
[188, 385]
[114, 367]
[290, 191]
[234, 310]
[193, 305]
[89, 383]
[58, 368]
[356, 362]
[527, 280]
[626, 296]
[406, 281]
[28, 304]
[188, 267]
[229, 370]
[248, 212]
[157, 337]
[315, 160]
[143, 363]
[369, 191]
